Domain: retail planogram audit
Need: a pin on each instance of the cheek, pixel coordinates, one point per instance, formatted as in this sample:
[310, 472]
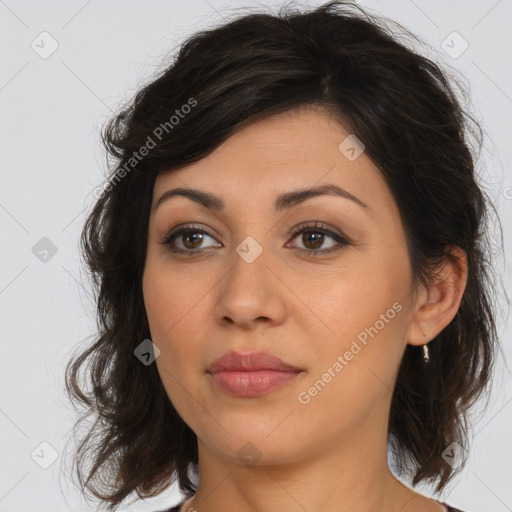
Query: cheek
[170, 298]
[171, 332]
[344, 303]
[359, 315]
[174, 304]
[355, 358]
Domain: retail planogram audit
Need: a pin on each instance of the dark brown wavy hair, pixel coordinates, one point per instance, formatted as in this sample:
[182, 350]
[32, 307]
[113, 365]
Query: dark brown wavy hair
[408, 112]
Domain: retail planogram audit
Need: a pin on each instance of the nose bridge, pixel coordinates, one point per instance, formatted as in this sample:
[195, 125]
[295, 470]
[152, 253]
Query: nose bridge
[252, 235]
[249, 262]
[250, 289]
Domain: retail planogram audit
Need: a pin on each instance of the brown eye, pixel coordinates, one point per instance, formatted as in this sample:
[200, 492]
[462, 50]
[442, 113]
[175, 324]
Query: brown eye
[194, 238]
[313, 238]
[191, 238]
[316, 239]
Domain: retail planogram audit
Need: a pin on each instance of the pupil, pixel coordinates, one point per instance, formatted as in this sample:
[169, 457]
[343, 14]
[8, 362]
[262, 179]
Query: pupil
[197, 242]
[317, 239]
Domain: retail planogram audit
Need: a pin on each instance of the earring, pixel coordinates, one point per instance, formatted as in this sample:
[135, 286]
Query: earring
[426, 357]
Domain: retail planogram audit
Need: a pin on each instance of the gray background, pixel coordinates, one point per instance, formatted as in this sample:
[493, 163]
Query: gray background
[51, 112]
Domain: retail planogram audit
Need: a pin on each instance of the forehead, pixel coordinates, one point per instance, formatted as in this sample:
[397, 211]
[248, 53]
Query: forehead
[296, 149]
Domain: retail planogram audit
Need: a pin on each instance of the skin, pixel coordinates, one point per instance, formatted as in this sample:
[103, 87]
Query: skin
[331, 453]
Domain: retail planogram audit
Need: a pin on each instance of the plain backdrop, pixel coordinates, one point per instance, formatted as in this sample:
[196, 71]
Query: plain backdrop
[66, 66]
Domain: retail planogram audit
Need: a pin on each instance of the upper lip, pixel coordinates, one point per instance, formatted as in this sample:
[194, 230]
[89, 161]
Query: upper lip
[232, 361]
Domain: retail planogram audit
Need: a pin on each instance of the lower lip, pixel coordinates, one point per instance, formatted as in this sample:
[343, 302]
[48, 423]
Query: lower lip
[252, 383]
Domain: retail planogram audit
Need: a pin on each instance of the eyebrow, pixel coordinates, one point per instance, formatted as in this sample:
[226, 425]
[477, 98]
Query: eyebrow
[283, 202]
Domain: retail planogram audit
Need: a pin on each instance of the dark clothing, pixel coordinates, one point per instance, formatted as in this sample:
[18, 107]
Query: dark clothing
[177, 508]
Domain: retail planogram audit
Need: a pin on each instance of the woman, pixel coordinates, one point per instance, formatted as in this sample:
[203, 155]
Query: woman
[291, 266]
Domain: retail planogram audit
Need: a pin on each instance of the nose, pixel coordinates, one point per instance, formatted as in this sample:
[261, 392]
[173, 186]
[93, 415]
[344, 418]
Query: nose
[251, 293]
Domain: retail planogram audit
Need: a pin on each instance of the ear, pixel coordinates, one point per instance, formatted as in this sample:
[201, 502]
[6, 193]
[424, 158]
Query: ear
[437, 306]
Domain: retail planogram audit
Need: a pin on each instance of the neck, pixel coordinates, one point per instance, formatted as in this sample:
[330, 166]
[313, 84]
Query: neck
[345, 478]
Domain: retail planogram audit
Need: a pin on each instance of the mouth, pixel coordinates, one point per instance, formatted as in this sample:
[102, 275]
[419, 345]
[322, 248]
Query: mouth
[252, 383]
[250, 375]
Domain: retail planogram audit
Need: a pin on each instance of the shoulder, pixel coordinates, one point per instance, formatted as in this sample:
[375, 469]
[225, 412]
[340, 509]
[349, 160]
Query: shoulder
[450, 509]
[176, 508]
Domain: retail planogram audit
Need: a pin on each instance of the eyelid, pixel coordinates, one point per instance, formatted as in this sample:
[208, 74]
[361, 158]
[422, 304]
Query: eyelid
[181, 229]
[320, 227]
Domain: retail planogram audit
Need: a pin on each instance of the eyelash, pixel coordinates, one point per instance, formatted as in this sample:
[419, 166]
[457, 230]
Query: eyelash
[302, 228]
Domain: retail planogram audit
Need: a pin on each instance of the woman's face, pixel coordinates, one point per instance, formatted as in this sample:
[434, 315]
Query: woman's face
[250, 285]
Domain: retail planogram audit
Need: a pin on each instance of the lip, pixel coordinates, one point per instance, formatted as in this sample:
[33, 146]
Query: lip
[253, 361]
[252, 374]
